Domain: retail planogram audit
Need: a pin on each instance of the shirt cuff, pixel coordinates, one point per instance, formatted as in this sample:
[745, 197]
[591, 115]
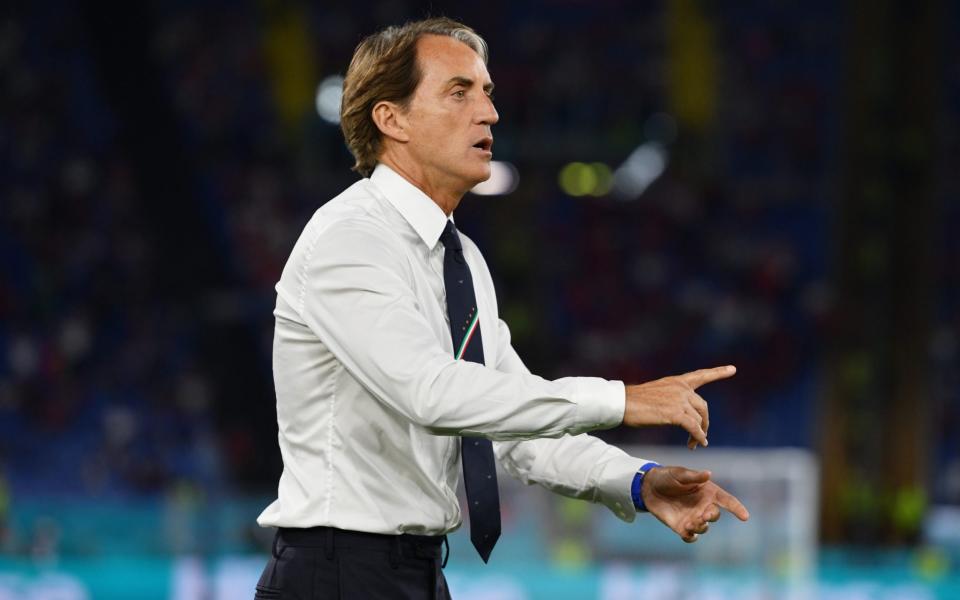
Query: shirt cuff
[600, 404]
[615, 483]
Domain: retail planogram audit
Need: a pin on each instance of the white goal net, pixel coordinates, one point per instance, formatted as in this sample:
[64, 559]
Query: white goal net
[779, 486]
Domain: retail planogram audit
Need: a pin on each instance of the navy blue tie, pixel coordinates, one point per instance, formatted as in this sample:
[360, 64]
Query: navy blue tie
[479, 468]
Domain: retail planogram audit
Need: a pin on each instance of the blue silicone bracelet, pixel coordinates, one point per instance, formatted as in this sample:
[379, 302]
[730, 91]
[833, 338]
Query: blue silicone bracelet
[637, 483]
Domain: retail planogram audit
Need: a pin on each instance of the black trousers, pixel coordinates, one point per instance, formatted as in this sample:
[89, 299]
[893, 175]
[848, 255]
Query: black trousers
[323, 563]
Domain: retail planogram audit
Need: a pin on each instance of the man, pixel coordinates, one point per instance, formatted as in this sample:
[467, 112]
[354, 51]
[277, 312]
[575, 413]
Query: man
[392, 367]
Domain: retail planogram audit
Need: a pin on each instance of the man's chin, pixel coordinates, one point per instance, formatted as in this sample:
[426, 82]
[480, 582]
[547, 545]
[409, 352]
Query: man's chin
[483, 173]
[475, 177]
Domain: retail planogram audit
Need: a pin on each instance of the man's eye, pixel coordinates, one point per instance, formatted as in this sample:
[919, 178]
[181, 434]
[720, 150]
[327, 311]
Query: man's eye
[460, 93]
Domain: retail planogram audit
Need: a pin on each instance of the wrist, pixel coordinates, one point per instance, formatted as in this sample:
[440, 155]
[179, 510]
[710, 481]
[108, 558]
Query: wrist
[636, 490]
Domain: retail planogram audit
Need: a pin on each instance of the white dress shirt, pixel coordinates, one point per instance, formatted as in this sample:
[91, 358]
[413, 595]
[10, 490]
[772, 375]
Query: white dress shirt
[370, 400]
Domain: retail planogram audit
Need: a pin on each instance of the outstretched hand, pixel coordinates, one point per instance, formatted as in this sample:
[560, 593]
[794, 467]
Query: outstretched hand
[674, 401]
[687, 501]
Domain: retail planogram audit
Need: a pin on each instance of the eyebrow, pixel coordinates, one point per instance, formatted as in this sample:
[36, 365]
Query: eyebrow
[467, 82]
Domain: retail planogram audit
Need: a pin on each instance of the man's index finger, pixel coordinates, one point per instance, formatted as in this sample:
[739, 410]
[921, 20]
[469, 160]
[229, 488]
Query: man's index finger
[699, 377]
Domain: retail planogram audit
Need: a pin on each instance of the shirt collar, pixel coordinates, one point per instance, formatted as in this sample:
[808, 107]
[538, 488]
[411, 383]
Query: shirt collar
[422, 213]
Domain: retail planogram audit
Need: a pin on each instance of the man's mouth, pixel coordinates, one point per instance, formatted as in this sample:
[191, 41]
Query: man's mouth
[485, 144]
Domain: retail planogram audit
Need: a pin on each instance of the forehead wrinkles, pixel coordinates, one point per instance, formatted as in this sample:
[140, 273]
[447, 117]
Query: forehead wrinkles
[441, 58]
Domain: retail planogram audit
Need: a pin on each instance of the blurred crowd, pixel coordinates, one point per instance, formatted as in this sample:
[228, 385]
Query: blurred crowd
[98, 386]
[106, 385]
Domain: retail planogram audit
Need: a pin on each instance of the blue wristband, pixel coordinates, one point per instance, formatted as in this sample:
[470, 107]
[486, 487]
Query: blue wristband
[637, 483]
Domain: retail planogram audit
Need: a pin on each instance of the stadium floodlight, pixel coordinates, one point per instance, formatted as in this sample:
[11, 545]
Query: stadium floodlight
[641, 168]
[329, 93]
[585, 179]
[504, 178]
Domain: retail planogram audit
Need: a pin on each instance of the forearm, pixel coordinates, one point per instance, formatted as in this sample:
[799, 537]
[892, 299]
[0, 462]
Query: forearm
[581, 466]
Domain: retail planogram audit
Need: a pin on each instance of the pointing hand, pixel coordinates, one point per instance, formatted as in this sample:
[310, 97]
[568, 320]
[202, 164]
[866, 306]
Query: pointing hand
[674, 401]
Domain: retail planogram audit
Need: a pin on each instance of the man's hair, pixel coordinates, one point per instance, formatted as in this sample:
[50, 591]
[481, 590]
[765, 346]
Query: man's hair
[384, 67]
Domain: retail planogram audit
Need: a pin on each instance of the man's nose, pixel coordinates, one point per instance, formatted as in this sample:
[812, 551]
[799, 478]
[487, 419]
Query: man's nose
[488, 113]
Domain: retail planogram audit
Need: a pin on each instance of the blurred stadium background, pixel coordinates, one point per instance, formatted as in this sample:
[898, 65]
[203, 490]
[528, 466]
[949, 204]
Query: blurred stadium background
[682, 183]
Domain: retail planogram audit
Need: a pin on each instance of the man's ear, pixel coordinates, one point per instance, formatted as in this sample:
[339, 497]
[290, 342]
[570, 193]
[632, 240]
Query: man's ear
[390, 120]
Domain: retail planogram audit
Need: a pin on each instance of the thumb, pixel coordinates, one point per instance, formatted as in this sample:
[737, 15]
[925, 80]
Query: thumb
[686, 476]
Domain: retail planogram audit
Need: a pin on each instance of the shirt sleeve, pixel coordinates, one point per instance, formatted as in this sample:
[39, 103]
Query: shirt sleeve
[578, 466]
[353, 287]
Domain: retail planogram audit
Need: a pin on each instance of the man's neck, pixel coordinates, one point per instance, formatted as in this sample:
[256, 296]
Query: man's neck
[447, 197]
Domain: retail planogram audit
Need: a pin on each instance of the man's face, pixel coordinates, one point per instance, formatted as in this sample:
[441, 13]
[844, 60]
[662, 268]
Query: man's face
[451, 113]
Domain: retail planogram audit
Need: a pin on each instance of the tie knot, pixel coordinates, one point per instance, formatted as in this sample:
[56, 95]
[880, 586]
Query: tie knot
[450, 239]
